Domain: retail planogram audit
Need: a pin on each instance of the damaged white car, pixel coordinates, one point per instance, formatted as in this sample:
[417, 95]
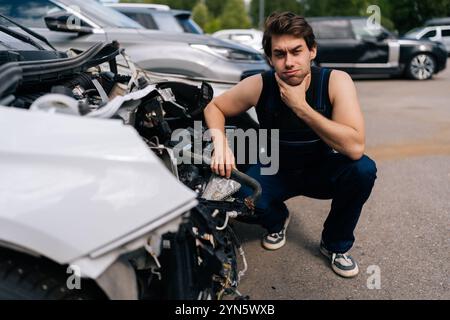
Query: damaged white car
[93, 202]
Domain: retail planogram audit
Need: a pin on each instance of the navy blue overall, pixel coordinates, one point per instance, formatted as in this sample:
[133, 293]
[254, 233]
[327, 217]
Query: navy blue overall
[309, 167]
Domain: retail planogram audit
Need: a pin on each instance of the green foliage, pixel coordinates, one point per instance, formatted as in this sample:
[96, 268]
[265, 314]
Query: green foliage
[401, 15]
[271, 6]
[200, 14]
[216, 7]
[213, 25]
[408, 14]
[234, 15]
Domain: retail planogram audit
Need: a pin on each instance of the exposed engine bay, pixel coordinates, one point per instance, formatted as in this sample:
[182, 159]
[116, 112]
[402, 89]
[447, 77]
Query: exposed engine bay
[204, 259]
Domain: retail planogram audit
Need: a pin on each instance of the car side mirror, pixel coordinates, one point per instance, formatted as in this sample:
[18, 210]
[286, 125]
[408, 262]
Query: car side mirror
[66, 22]
[382, 36]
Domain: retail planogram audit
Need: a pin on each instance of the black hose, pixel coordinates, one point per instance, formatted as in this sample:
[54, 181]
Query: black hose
[25, 71]
[250, 202]
[83, 79]
[46, 68]
[58, 65]
[107, 54]
[60, 62]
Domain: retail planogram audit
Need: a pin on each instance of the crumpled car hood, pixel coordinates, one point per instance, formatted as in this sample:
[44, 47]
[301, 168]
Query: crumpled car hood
[72, 185]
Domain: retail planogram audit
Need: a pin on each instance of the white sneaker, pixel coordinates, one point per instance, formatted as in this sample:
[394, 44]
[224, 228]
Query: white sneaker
[341, 263]
[274, 241]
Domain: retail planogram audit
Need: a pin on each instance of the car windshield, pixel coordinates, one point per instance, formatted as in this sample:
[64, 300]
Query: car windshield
[364, 30]
[12, 42]
[413, 33]
[29, 13]
[166, 21]
[189, 25]
[332, 29]
[102, 15]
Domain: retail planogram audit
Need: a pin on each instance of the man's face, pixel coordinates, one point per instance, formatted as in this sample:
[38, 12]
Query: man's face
[291, 58]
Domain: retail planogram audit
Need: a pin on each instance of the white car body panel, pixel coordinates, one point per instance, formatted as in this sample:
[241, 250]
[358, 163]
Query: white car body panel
[73, 185]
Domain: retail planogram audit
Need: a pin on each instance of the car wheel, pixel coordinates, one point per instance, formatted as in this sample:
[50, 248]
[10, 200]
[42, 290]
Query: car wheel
[421, 67]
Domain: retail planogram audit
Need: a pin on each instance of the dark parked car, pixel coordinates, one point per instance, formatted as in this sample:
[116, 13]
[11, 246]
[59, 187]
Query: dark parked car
[347, 43]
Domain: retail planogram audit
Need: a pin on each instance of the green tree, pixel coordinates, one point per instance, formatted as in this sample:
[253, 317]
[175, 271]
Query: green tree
[350, 8]
[408, 14]
[215, 7]
[213, 25]
[313, 8]
[200, 14]
[234, 15]
[295, 6]
[337, 7]
[402, 15]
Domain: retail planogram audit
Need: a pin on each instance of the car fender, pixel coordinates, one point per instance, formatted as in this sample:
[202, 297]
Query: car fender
[72, 186]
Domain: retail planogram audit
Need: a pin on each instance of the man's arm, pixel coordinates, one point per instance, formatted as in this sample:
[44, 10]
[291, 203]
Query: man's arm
[345, 131]
[238, 99]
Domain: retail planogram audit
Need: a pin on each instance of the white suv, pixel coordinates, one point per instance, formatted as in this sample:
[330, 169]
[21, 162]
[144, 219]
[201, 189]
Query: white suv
[433, 33]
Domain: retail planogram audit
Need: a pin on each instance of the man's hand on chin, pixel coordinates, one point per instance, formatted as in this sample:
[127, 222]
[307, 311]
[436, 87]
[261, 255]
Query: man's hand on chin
[295, 96]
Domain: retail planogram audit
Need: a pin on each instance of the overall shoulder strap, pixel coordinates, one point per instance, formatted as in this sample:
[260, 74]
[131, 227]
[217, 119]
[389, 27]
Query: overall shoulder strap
[267, 106]
[322, 90]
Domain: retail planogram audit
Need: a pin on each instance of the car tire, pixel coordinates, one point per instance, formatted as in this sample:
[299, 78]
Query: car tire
[24, 277]
[422, 66]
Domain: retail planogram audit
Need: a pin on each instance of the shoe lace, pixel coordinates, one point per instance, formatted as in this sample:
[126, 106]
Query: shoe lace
[276, 234]
[342, 255]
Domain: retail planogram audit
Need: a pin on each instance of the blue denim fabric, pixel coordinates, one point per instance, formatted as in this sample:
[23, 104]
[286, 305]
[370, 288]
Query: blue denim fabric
[333, 176]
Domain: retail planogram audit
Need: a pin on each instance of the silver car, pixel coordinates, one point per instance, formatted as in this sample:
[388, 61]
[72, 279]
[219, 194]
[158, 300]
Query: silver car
[81, 23]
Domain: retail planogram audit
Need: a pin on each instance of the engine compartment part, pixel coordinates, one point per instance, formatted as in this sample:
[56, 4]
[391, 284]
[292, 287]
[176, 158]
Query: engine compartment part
[197, 260]
[55, 102]
[219, 188]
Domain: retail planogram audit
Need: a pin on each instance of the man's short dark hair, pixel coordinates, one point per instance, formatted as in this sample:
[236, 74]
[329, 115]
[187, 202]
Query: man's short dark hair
[286, 23]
